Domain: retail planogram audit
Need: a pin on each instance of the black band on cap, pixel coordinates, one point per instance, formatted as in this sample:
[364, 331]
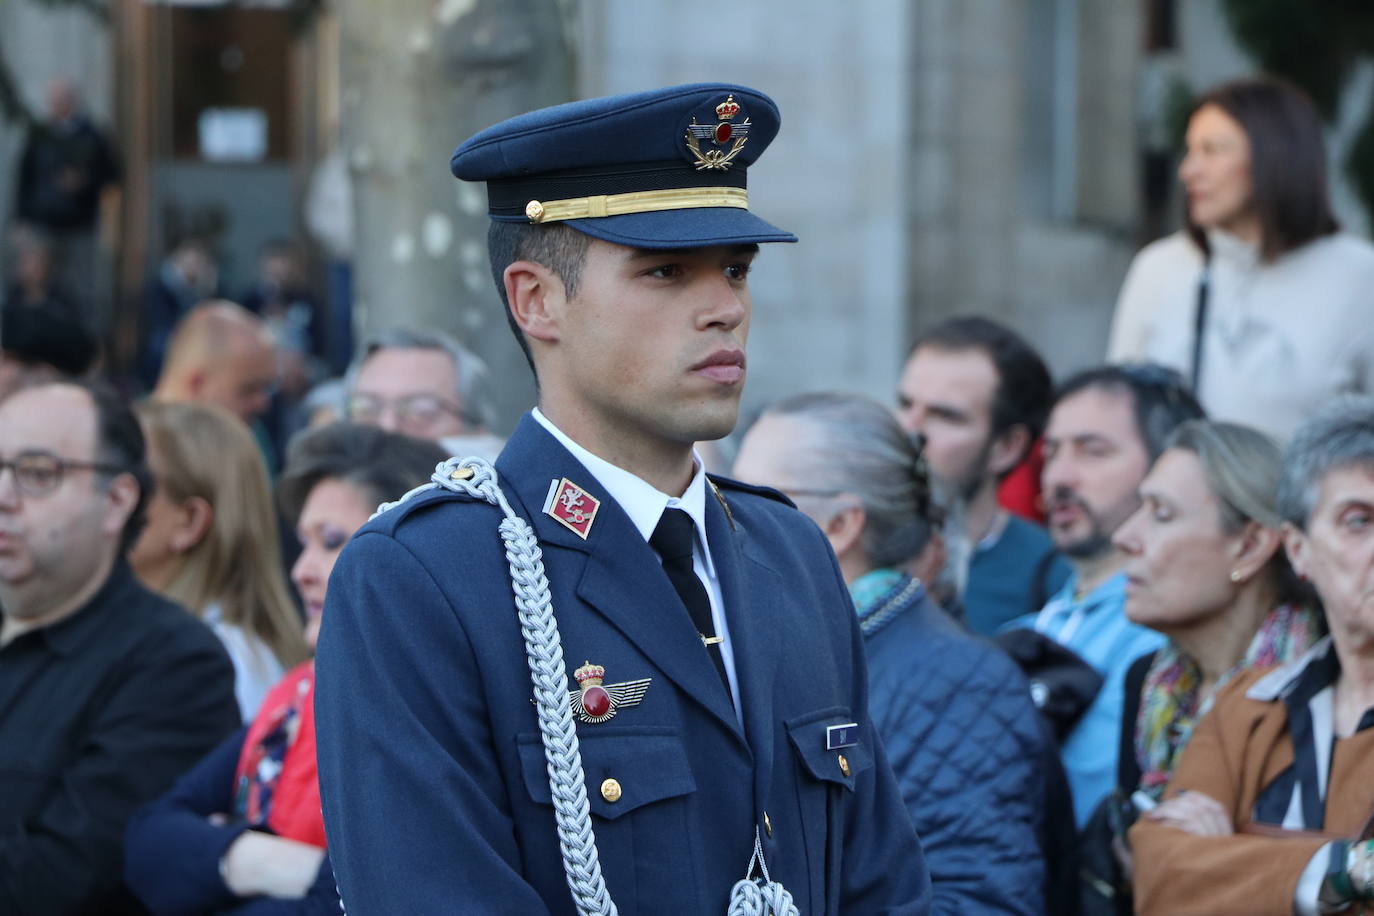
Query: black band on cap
[507, 198]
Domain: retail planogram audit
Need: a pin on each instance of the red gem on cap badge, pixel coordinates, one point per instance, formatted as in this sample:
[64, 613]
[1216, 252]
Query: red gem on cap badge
[594, 703]
[572, 507]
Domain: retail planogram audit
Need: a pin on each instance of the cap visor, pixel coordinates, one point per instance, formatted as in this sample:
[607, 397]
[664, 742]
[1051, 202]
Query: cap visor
[698, 227]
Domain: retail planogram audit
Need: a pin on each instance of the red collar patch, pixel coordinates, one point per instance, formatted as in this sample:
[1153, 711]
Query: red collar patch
[571, 506]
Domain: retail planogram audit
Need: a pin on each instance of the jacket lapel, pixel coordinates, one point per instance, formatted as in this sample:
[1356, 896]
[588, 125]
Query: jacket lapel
[621, 577]
[750, 590]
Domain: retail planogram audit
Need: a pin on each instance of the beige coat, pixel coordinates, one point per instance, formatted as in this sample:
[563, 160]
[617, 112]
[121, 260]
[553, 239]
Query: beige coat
[1237, 750]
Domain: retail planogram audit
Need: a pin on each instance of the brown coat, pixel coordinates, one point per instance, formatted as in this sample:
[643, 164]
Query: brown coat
[1237, 750]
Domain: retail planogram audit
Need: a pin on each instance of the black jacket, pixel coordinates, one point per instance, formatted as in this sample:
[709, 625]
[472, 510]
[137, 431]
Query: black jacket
[99, 714]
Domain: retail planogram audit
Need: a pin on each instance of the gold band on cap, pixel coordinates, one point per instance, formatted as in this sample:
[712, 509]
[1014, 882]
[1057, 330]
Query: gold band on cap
[549, 211]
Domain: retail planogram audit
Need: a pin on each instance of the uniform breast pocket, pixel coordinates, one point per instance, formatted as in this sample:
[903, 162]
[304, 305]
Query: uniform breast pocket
[831, 758]
[639, 786]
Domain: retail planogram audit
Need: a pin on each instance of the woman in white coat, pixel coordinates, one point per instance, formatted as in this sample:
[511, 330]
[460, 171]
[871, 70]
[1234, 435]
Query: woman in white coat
[1259, 300]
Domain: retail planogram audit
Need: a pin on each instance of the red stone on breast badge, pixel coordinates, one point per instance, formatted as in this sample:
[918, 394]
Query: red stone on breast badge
[572, 507]
[596, 703]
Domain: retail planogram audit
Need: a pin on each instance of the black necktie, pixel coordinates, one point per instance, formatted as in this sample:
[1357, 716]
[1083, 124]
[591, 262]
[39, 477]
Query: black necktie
[673, 541]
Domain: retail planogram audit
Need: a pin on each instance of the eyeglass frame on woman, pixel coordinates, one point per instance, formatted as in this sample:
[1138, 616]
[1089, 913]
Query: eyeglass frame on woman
[59, 467]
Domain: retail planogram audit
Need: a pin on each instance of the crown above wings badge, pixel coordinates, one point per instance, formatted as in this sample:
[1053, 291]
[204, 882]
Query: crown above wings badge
[715, 136]
[594, 702]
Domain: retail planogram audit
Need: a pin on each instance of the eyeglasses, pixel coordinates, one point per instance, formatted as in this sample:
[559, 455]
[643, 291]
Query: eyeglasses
[412, 412]
[40, 473]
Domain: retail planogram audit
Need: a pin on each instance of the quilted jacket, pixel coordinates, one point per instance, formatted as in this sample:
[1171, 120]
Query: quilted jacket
[962, 735]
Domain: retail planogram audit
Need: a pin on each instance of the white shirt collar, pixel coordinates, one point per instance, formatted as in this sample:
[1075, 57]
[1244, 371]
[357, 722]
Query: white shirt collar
[642, 502]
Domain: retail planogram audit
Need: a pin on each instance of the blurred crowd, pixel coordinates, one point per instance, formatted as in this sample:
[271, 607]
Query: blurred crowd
[1119, 625]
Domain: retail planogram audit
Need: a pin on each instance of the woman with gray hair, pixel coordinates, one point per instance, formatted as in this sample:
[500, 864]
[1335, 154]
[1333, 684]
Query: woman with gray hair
[1205, 566]
[954, 713]
[1269, 809]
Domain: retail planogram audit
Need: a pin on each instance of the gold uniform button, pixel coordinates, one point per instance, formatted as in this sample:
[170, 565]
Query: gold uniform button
[767, 824]
[610, 790]
[844, 766]
[461, 474]
[534, 211]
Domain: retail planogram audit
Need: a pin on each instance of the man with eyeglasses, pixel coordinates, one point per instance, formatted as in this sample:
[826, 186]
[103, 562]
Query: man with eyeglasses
[427, 385]
[107, 691]
[1106, 428]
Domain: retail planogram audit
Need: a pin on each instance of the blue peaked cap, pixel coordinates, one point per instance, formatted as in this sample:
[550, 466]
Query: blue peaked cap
[658, 169]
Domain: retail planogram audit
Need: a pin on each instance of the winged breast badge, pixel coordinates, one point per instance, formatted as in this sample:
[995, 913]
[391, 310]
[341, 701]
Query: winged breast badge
[596, 703]
[716, 135]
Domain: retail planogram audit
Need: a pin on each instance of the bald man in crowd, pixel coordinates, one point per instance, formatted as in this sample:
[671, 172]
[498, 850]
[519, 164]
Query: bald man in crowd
[220, 354]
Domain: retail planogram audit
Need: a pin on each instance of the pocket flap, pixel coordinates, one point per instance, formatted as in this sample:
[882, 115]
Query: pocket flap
[648, 764]
[838, 765]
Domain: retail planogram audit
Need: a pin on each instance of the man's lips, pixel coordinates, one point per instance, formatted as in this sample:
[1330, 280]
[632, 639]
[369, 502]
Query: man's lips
[725, 366]
[1062, 513]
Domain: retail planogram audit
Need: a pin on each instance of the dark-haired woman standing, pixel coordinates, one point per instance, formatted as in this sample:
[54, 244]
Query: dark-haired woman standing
[1260, 301]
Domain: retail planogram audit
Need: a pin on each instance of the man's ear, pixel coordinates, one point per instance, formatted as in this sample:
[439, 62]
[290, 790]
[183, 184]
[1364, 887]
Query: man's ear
[536, 297]
[195, 382]
[1295, 542]
[122, 498]
[1008, 449]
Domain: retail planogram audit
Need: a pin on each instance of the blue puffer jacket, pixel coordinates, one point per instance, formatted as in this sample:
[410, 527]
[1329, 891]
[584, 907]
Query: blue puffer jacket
[964, 741]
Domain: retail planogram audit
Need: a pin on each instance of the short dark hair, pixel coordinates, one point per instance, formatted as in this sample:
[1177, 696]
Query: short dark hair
[1025, 388]
[562, 249]
[1287, 161]
[1159, 395]
[119, 442]
[381, 464]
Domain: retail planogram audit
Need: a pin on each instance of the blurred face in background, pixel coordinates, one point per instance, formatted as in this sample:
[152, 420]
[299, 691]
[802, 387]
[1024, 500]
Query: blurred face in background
[242, 378]
[1179, 556]
[1094, 462]
[333, 511]
[409, 390]
[60, 527]
[1216, 172]
[1336, 553]
[946, 396]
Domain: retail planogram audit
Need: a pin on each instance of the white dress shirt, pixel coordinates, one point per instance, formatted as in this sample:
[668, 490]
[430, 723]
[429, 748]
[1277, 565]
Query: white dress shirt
[644, 505]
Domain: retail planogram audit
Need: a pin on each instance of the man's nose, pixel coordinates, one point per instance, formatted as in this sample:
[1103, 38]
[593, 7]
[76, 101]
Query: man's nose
[728, 307]
[9, 486]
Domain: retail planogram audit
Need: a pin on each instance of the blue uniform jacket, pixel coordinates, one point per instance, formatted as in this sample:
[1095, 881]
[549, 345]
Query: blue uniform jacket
[962, 734]
[436, 798]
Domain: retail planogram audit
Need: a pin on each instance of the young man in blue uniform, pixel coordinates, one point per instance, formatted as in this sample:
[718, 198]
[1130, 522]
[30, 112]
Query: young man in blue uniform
[701, 642]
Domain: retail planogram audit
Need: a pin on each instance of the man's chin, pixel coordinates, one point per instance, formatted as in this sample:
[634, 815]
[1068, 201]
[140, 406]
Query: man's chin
[714, 421]
[1088, 547]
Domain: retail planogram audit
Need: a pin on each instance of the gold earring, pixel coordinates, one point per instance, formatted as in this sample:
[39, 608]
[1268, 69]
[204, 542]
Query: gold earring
[1235, 575]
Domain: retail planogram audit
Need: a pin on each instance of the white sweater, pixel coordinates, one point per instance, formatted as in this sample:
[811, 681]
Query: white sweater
[1281, 338]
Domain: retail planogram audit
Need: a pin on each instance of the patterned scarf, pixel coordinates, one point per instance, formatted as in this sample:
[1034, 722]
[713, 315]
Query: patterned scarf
[1171, 700]
[276, 786]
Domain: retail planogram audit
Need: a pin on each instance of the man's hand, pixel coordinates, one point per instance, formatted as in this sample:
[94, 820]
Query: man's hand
[1196, 813]
[259, 864]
